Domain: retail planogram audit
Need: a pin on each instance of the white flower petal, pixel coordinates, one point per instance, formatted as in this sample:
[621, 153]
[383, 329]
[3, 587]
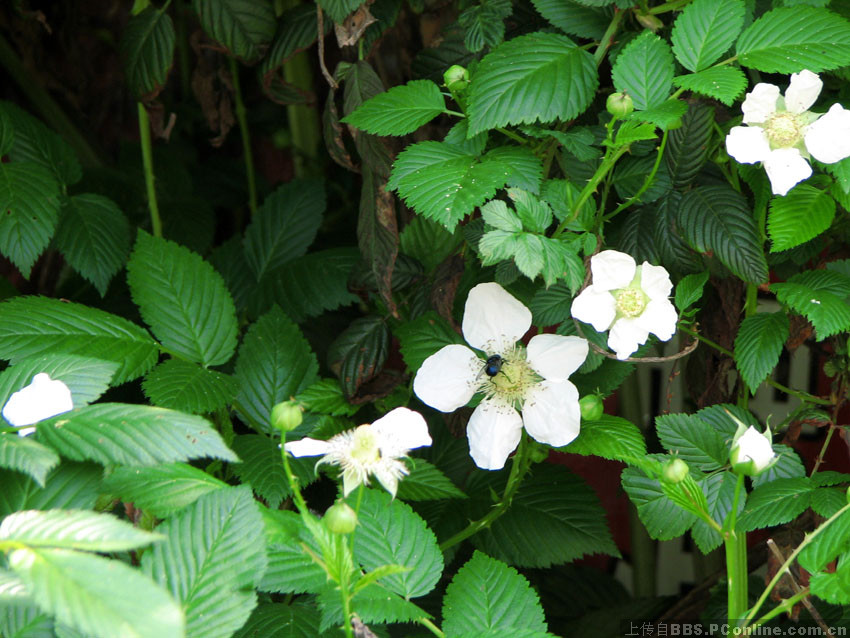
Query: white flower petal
[626, 336]
[803, 91]
[596, 307]
[307, 447]
[828, 138]
[760, 103]
[388, 474]
[660, 318]
[556, 357]
[448, 378]
[494, 431]
[747, 144]
[493, 319]
[25, 431]
[352, 477]
[785, 168]
[41, 399]
[612, 270]
[400, 430]
[755, 446]
[655, 281]
[551, 413]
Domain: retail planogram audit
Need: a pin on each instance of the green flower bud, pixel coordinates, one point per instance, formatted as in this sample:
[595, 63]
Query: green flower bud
[649, 21]
[619, 105]
[456, 78]
[340, 518]
[286, 416]
[675, 471]
[591, 407]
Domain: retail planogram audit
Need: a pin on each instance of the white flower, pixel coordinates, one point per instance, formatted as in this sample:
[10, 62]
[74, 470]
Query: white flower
[629, 299]
[370, 449]
[752, 452]
[41, 399]
[783, 134]
[513, 378]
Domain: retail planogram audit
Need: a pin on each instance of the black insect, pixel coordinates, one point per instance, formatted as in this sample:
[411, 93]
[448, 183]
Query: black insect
[493, 365]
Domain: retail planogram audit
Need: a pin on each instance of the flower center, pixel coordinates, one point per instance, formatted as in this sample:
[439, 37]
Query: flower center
[364, 448]
[514, 379]
[783, 130]
[630, 302]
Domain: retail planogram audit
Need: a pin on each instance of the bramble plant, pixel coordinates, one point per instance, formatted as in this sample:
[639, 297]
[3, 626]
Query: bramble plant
[289, 355]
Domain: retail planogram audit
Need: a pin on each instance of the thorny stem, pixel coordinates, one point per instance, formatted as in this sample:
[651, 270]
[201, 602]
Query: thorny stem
[242, 118]
[608, 37]
[832, 427]
[147, 166]
[736, 561]
[431, 626]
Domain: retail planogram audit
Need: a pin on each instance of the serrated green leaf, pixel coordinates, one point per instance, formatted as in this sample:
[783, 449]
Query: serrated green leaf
[389, 531]
[338, 10]
[662, 518]
[325, 396]
[400, 110]
[423, 336]
[538, 76]
[188, 387]
[833, 587]
[426, 483]
[25, 455]
[826, 501]
[284, 226]
[94, 237]
[243, 26]
[758, 346]
[74, 529]
[31, 326]
[775, 503]
[719, 219]
[788, 465]
[573, 18]
[297, 30]
[821, 297]
[630, 176]
[102, 598]
[275, 363]
[358, 353]
[69, 486]
[261, 467]
[790, 39]
[148, 51]
[644, 70]
[486, 594]
[692, 440]
[213, 550]
[705, 30]
[125, 434]
[632, 131]
[428, 241]
[688, 146]
[719, 492]
[664, 115]
[29, 204]
[723, 83]
[536, 215]
[279, 620]
[290, 569]
[689, 290]
[484, 23]
[497, 214]
[183, 299]
[161, 489]
[526, 169]
[609, 437]
[832, 540]
[803, 214]
[551, 306]
[373, 604]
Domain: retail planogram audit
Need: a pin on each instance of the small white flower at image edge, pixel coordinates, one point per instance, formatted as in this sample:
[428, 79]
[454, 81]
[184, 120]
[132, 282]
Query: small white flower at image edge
[41, 399]
[751, 452]
[370, 449]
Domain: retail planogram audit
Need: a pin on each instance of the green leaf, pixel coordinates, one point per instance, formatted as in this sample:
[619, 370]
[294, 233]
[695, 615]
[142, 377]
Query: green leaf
[94, 237]
[827, 501]
[790, 39]
[325, 396]
[833, 540]
[25, 455]
[631, 173]
[526, 169]
[758, 346]
[7, 132]
[29, 204]
[718, 219]
[573, 18]
[664, 115]
[275, 363]
[632, 131]
[788, 465]
[486, 594]
[821, 297]
[423, 336]
[183, 299]
[723, 83]
[538, 76]
[125, 434]
[358, 353]
[426, 483]
[213, 550]
[74, 529]
[281, 620]
[297, 30]
[96, 595]
[443, 183]
[428, 241]
[551, 306]
[801, 215]
[610, 437]
[291, 569]
[188, 387]
[835, 587]
[688, 146]
[389, 531]
[484, 23]
[70, 486]
[161, 489]
[148, 51]
[705, 30]
[775, 503]
[693, 440]
[644, 70]
[30, 326]
[399, 111]
[662, 518]
[719, 492]
[373, 604]
[536, 215]
[497, 214]
[555, 512]
[261, 467]
[338, 10]
[243, 26]
[285, 225]
[689, 290]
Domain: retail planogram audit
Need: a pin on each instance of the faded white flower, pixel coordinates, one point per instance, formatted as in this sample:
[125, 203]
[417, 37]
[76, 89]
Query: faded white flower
[41, 399]
[370, 449]
[628, 299]
[752, 452]
[783, 134]
[513, 378]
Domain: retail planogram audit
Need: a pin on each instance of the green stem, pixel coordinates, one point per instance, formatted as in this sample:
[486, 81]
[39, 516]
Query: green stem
[674, 5]
[512, 135]
[736, 575]
[646, 182]
[343, 589]
[147, 167]
[782, 607]
[608, 37]
[242, 118]
[297, 497]
[429, 625]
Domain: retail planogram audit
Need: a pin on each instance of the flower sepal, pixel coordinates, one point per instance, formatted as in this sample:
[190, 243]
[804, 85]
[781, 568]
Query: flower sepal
[752, 452]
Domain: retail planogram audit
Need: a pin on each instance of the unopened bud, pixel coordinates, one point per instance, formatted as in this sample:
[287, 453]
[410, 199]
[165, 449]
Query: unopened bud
[286, 416]
[591, 407]
[619, 105]
[675, 471]
[456, 78]
[340, 518]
